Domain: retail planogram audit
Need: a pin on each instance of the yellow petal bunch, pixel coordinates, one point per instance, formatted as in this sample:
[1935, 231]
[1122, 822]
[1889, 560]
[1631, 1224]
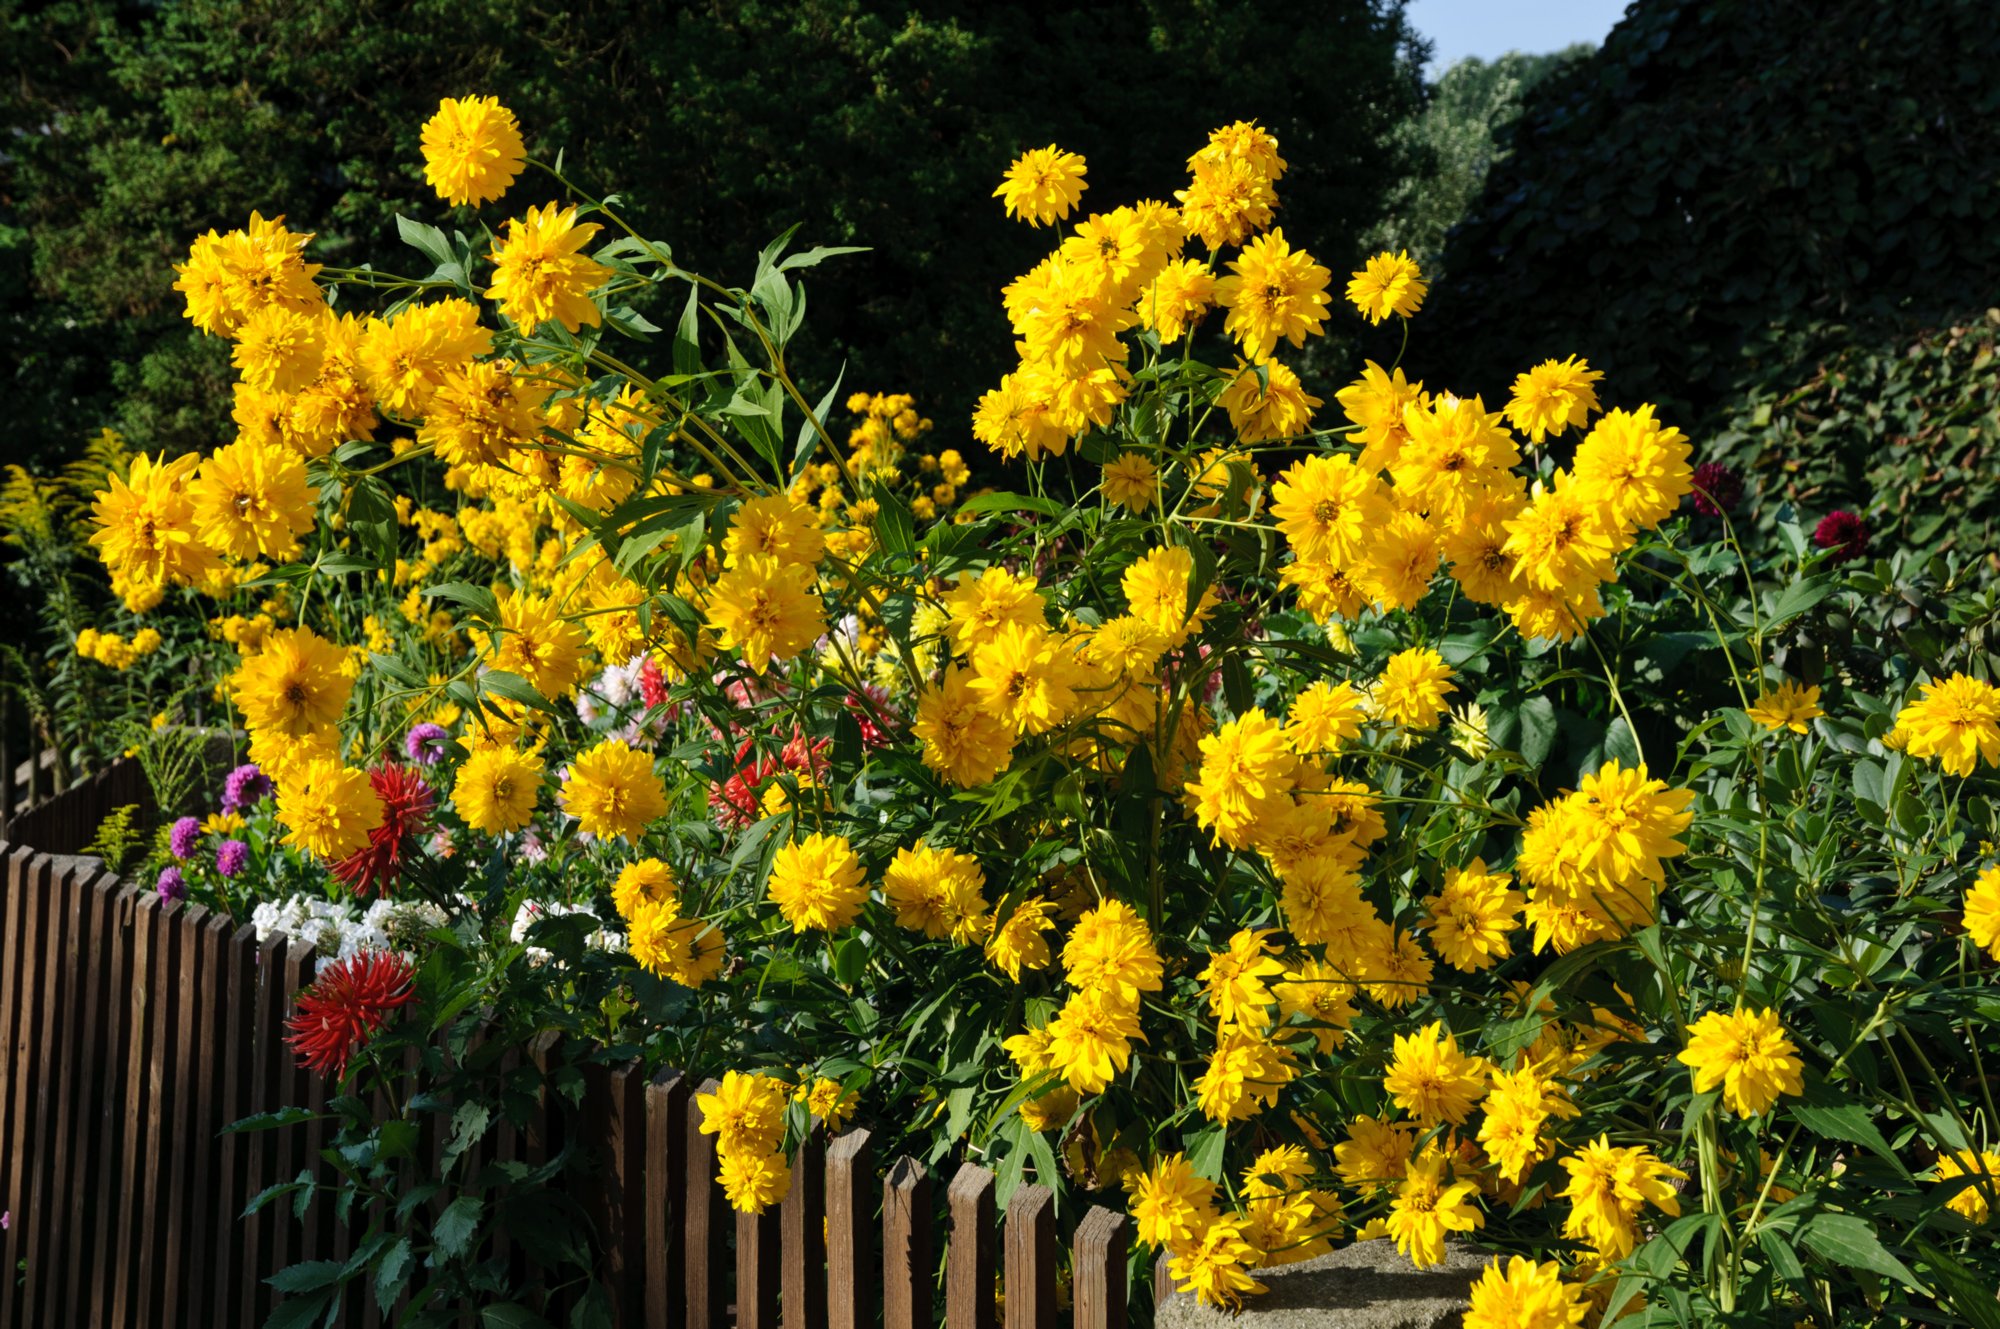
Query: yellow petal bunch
[746, 1115]
[1281, 1218]
[472, 149]
[687, 950]
[766, 605]
[1747, 1055]
[1593, 859]
[1955, 723]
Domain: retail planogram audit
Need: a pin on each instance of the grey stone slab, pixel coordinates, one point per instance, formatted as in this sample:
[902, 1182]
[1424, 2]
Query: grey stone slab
[1367, 1285]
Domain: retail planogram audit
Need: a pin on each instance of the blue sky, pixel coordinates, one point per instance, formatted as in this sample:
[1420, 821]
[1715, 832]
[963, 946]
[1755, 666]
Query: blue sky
[1487, 28]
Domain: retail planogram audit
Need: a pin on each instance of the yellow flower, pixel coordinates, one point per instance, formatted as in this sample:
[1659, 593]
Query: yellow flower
[1430, 1079]
[1626, 822]
[1226, 201]
[146, 530]
[1393, 968]
[1074, 327]
[829, 1101]
[1525, 1295]
[964, 740]
[1387, 284]
[766, 611]
[297, 685]
[1975, 1201]
[1017, 943]
[981, 606]
[227, 278]
[817, 883]
[1177, 299]
[1324, 715]
[745, 1113]
[937, 892]
[1110, 952]
[1426, 1206]
[1746, 1054]
[1237, 978]
[1511, 1119]
[1215, 1266]
[496, 789]
[648, 881]
[1982, 911]
[1323, 997]
[1374, 1155]
[405, 360]
[481, 412]
[1554, 396]
[1376, 402]
[539, 645]
[1607, 1189]
[472, 149]
[1131, 481]
[1560, 540]
[612, 790]
[1090, 1040]
[1274, 292]
[773, 527]
[1245, 141]
[328, 809]
[1275, 406]
[1171, 1206]
[1156, 590]
[1412, 688]
[1042, 185]
[1021, 416]
[1957, 722]
[1025, 676]
[1471, 916]
[279, 349]
[1635, 466]
[1246, 770]
[1244, 1076]
[1453, 456]
[753, 1183]
[538, 275]
[1787, 706]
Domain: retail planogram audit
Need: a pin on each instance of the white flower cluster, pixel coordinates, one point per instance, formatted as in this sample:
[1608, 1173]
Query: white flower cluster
[338, 929]
[600, 938]
[614, 704]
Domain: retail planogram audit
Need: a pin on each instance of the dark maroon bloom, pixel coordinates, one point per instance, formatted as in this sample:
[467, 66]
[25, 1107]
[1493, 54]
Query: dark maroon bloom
[406, 813]
[1844, 533]
[344, 1007]
[1717, 489]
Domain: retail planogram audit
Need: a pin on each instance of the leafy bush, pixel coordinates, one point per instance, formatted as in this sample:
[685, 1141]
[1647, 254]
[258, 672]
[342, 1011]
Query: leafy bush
[1290, 830]
[1728, 196]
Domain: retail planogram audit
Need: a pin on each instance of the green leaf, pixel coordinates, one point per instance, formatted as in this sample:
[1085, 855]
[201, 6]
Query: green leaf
[508, 1315]
[808, 438]
[1538, 730]
[1205, 1152]
[265, 1121]
[456, 1226]
[298, 1312]
[1850, 1240]
[307, 1277]
[1964, 1291]
[893, 524]
[477, 599]
[514, 688]
[426, 240]
[467, 1125]
[813, 256]
[687, 335]
[1001, 501]
[1794, 600]
[1829, 1113]
[392, 1274]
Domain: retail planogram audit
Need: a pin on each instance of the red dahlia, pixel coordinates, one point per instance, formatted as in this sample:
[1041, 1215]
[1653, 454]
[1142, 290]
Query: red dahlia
[653, 682]
[344, 1006]
[734, 801]
[1844, 533]
[1717, 489]
[406, 813]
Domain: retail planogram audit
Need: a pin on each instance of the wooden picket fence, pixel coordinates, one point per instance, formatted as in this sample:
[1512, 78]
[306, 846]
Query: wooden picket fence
[132, 1033]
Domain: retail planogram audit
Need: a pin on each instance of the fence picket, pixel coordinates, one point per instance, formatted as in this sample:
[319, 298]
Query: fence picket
[758, 1240]
[238, 987]
[969, 1260]
[666, 1190]
[1098, 1267]
[113, 1183]
[1031, 1258]
[906, 1246]
[803, 1219]
[42, 1133]
[707, 1301]
[848, 1272]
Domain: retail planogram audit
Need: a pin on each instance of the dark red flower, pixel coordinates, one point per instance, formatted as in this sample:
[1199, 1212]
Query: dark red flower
[1844, 533]
[1717, 489]
[406, 813]
[344, 1007]
[806, 754]
[734, 801]
[872, 712]
[653, 682]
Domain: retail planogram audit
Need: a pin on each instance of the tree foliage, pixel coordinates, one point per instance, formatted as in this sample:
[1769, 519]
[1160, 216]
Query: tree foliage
[1728, 190]
[134, 127]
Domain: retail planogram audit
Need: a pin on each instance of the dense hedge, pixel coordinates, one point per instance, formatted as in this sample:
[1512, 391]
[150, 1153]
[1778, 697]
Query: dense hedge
[872, 122]
[1729, 194]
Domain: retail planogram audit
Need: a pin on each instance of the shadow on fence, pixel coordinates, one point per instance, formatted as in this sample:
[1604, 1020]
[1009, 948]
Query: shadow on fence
[132, 1033]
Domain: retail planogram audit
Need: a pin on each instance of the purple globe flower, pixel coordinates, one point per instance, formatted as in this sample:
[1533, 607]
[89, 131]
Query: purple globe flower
[182, 838]
[230, 856]
[425, 744]
[172, 885]
[243, 787]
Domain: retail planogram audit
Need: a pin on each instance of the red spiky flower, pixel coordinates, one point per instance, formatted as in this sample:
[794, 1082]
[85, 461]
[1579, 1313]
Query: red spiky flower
[733, 802]
[406, 813]
[344, 1007]
[653, 682]
[1842, 532]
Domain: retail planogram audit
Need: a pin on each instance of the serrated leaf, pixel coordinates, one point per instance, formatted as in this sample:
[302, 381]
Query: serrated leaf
[1850, 1240]
[456, 1226]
